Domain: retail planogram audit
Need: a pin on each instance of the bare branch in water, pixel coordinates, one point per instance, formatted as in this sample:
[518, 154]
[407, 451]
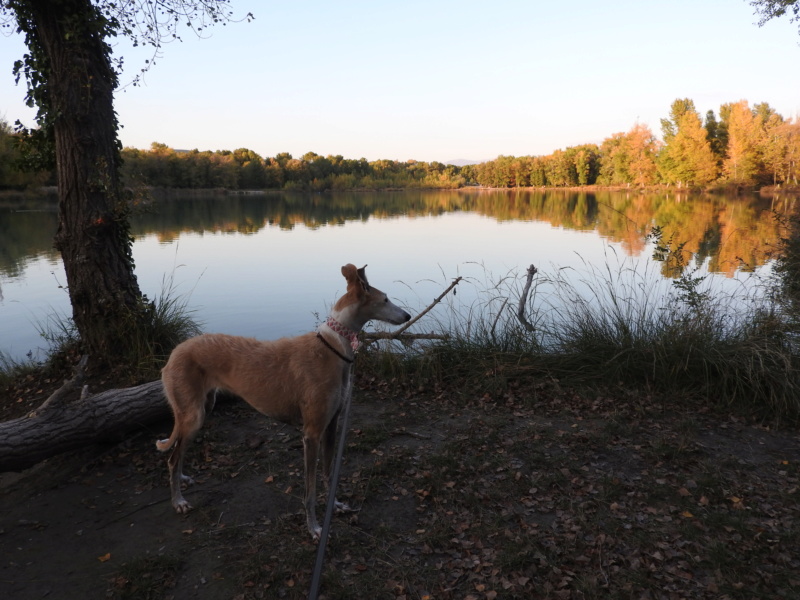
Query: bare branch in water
[523, 299]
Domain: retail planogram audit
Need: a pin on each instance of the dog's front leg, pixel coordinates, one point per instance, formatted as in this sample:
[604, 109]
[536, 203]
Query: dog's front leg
[310, 454]
[328, 447]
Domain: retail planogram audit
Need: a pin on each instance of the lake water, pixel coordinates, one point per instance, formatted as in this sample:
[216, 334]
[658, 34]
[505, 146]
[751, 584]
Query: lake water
[268, 265]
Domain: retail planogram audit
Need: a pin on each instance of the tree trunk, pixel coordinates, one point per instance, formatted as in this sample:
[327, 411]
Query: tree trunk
[93, 233]
[58, 427]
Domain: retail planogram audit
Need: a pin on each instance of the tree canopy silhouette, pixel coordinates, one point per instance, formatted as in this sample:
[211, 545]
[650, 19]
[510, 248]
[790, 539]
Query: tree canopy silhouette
[771, 9]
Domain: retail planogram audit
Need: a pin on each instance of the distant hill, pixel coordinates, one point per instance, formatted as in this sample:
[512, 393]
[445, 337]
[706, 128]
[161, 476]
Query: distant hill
[460, 162]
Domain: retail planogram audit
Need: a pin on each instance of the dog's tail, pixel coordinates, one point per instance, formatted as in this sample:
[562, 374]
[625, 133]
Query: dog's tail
[164, 445]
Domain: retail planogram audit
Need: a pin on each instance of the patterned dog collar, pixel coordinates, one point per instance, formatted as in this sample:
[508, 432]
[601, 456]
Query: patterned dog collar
[349, 334]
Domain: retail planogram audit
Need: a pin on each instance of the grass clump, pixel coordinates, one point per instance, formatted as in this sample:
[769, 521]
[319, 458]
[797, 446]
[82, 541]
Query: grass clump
[628, 328]
[11, 369]
[169, 321]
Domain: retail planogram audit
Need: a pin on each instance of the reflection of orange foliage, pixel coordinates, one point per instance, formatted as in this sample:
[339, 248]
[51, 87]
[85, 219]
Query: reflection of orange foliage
[168, 237]
[733, 233]
[626, 218]
[725, 231]
[746, 239]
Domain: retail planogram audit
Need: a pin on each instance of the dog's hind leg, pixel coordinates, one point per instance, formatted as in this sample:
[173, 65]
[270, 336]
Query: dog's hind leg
[211, 400]
[185, 429]
[176, 476]
[186, 433]
[186, 393]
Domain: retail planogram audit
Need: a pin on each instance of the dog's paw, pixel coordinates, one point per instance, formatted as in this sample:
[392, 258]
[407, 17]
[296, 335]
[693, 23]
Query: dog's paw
[186, 480]
[316, 532]
[342, 507]
[181, 506]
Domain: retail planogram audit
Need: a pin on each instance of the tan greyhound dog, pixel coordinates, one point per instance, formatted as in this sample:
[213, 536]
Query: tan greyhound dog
[302, 380]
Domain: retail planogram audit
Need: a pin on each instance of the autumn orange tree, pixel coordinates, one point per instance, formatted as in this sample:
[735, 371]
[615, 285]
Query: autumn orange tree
[789, 165]
[629, 158]
[774, 143]
[686, 158]
[741, 164]
[759, 142]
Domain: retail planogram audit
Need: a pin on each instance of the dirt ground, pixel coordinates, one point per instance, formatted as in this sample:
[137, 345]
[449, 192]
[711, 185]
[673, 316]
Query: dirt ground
[533, 492]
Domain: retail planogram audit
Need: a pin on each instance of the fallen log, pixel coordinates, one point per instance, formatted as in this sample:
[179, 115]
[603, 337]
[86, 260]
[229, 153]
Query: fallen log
[59, 425]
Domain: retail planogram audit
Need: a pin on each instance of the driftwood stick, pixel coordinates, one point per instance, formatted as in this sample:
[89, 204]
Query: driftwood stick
[410, 337]
[393, 335]
[456, 281]
[404, 431]
[523, 299]
[497, 318]
[373, 336]
[61, 393]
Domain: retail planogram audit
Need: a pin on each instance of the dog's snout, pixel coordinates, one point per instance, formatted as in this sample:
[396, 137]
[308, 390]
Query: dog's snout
[404, 319]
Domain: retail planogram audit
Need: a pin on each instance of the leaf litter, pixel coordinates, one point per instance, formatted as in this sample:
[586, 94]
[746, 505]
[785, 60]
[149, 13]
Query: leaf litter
[533, 492]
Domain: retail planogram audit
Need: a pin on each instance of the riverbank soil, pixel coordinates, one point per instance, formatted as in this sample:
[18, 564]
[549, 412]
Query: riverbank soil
[532, 492]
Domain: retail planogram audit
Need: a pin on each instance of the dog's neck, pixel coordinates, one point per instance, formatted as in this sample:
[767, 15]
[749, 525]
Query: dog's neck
[345, 332]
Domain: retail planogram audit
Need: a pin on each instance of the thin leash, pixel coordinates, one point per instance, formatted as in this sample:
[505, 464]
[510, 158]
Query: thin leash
[316, 577]
[334, 350]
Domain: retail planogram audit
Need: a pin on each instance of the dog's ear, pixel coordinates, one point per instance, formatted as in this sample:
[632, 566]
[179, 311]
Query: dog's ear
[362, 274]
[355, 277]
[350, 272]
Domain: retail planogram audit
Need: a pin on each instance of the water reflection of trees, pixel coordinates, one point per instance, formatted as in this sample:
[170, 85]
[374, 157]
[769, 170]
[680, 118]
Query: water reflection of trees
[27, 230]
[728, 233]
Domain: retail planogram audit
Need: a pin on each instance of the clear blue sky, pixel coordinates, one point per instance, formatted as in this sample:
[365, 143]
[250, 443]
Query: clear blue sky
[442, 80]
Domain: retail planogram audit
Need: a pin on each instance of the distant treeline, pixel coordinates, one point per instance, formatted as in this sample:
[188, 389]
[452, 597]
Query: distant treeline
[243, 169]
[742, 146]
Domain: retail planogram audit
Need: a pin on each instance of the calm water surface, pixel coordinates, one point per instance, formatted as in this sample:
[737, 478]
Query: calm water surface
[268, 265]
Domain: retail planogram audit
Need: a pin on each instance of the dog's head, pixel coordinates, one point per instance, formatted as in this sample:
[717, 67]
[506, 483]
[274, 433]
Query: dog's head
[373, 302]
